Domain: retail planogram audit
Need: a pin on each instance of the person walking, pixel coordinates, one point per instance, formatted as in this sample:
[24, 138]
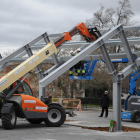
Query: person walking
[105, 104]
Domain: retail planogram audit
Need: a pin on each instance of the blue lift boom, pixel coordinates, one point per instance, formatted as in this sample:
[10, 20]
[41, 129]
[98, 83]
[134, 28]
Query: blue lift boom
[89, 67]
[132, 87]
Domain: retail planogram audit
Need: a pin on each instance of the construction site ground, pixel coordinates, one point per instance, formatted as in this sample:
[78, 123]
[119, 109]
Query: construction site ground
[79, 127]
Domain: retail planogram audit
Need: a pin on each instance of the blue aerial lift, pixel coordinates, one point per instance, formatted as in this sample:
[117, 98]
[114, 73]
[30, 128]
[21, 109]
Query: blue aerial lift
[89, 67]
[132, 87]
[132, 102]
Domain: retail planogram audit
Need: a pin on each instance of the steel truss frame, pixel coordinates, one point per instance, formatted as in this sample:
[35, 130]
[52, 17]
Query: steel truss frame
[64, 63]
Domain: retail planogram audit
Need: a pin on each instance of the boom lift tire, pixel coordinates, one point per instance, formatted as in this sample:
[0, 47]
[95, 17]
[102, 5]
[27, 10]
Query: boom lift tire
[9, 119]
[56, 115]
[135, 116]
[35, 121]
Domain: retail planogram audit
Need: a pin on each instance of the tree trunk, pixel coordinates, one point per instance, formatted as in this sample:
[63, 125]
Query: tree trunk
[72, 89]
[64, 88]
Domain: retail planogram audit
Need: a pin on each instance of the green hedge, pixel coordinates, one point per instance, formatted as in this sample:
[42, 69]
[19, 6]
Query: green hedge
[93, 101]
[88, 100]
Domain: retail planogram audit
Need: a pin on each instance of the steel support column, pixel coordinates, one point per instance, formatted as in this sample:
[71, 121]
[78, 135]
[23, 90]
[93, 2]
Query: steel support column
[117, 104]
[116, 88]
[42, 92]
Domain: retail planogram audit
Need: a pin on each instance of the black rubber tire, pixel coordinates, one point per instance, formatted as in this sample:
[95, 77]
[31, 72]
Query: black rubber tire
[7, 121]
[35, 121]
[135, 116]
[60, 110]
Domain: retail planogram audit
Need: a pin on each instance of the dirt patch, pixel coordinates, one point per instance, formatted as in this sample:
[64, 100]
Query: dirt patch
[124, 128]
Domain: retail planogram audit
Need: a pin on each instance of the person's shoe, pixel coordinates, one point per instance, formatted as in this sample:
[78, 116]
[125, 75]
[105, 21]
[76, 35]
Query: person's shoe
[100, 116]
[105, 116]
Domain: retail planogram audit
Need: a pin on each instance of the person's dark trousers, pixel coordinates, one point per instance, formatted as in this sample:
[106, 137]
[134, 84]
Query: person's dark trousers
[71, 71]
[104, 108]
[82, 68]
[77, 67]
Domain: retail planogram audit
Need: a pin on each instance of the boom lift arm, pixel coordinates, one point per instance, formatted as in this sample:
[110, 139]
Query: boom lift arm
[132, 88]
[90, 34]
[132, 79]
[25, 67]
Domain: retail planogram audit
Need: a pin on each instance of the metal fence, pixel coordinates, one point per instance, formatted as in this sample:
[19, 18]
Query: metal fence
[86, 102]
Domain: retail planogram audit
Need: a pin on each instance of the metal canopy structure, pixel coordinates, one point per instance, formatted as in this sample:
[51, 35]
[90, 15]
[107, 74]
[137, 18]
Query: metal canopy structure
[62, 64]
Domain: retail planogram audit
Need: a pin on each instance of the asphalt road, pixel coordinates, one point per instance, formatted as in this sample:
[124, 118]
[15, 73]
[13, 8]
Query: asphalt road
[71, 130]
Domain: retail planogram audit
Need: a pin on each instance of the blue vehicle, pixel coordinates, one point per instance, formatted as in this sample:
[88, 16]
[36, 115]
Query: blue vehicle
[132, 102]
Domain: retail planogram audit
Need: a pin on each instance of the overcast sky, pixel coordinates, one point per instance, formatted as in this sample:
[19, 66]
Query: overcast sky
[23, 20]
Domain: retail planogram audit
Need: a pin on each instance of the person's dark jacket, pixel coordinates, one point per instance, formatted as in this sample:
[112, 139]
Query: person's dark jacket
[105, 100]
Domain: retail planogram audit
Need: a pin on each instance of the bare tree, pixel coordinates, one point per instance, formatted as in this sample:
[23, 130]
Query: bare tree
[110, 17]
[7, 52]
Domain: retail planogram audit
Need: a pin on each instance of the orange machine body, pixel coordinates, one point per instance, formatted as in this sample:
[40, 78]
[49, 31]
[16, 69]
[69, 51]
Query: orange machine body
[66, 37]
[79, 28]
[83, 29]
[30, 103]
[84, 32]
